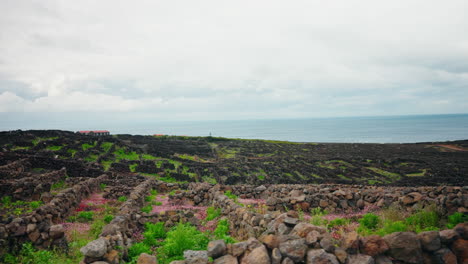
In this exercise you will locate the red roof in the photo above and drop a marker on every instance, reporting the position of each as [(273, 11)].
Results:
[(93, 131)]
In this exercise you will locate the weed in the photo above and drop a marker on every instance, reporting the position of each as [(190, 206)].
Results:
[(102, 186), (212, 213), (154, 232), (106, 164), (369, 221), (54, 148), (122, 199), (423, 220), (85, 216), (456, 218), (106, 146), (230, 195), (147, 209), (138, 248), (222, 232), (108, 218), (133, 167), (86, 146), (96, 228), (58, 185)]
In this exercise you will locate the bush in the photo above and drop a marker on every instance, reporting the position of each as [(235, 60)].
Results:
[(212, 213), (369, 221), (136, 249), (108, 218), (147, 209), (154, 232), (96, 228), (85, 216), (102, 186), (29, 255), (222, 232), (230, 195), (456, 219), (153, 192), (182, 237), (122, 199), (424, 220), (392, 227), (338, 222), (35, 204)]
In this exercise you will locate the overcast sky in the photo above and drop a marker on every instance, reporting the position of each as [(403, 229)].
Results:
[(198, 60)]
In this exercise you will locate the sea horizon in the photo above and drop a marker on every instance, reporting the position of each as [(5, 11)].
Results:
[(358, 129)]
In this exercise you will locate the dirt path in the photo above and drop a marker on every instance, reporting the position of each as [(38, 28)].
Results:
[(452, 147)]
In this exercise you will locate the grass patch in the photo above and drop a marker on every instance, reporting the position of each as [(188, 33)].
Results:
[(122, 154), (148, 157), (41, 139), (106, 164), (19, 148), (54, 148), (91, 158), (390, 175), (133, 167), (417, 174), (72, 152), (87, 146), (106, 146)]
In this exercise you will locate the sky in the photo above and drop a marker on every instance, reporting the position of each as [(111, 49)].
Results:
[(232, 60)]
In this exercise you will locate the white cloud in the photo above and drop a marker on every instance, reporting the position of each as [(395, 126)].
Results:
[(229, 59)]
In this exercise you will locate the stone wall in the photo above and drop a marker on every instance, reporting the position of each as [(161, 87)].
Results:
[(347, 198), (31, 188), (42, 227)]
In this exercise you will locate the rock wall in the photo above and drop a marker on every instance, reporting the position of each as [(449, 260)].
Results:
[(42, 227), (31, 188)]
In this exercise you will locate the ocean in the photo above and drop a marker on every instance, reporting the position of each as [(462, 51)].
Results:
[(390, 129)]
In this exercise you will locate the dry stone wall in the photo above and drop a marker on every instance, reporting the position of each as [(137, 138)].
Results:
[(42, 227)]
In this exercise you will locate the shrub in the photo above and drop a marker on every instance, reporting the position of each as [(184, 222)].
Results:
[(182, 237), (6, 201), (230, 195), (85, 216), (212, 213), (29, 255), (222, 232), (35, 204), (339, 222), (369, 221), (108, 218), (122, 199), (147, 209), (424, 220), (153, 192), (136, 249), (316, 216), (153, 232), (133, 167), (58, 185), (391, 227), (456, 219), (96, 228), (102, 186)]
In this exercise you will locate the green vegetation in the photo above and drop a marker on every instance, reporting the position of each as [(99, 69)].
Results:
[(122, 199), (102, 186), (148, 157), (19, 148), (147, 208), (54, 148), (85, 216), (390, 175), (106, 164), (108, 218), (29, 255), (417, 174), (456, 218), (316, 216), (106, 146), (209, 180), (18, 207), (91, 158), (180, 238), (231, 196), (212, 213), (87, 146), (136, 249), (222, 232), (122, 154), (96, 227), (261, 177), (72, 152), (153, 232), (58, 185), (133, 167), (39, 139)]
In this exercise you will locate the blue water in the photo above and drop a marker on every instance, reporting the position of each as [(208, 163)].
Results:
[(395, 129)]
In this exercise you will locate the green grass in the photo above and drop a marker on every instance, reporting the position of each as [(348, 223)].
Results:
[(106, 146), (72, 152), (122, 154), (19, 148), (343, 177), (212, 213), (91, 158), (106, 164), (87, 146), (58, 185), (148, 157), (209, 179), (54, 148), (417, 174), (40, 139), (133, 167), (390, 175)]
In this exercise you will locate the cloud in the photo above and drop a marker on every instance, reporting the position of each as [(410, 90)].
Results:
[(214, 59)]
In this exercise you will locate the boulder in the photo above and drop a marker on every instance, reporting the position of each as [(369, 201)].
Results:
[(227, 259), (312, 237), (257, 256), (287, 261), (444, 255), (404, 246), (271, 241), (341, 255), (56, 231), (327, 244), (302, 229), (216, 248), (430, 240), (237, 249), (373, 245), (147, 259), (448, 236), (95, 249), (319, 256), (196, 256), (382, 259), (460, 249), (350, 242), (276, 256), (112, 257), (360, 259), (294, 249), (462, 230)]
